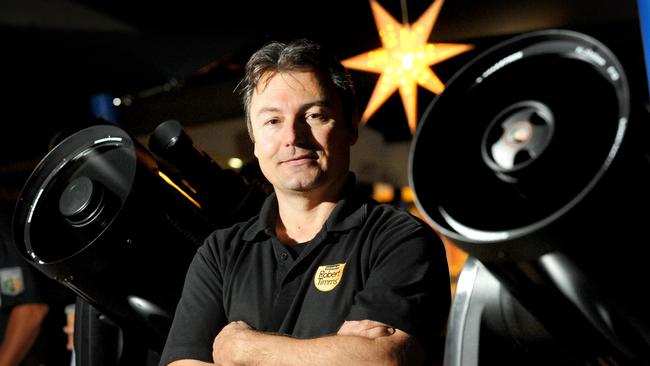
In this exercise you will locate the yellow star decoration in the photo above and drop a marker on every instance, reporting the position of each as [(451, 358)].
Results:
[(404, 60)]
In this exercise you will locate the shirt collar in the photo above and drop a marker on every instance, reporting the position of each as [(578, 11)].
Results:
[(265, 220), (349, 212)]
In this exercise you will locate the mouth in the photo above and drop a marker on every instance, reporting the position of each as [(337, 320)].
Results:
[(300, 159)]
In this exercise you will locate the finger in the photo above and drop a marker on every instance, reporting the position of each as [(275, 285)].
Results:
[(242, 324), (379, 331), (365, 328)]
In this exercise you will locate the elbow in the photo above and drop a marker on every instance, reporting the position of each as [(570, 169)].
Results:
[(408, 353)]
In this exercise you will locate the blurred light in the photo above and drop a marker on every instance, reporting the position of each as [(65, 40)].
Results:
[(235, 163), (407, 194), (189, 186), (383, 192), (102, 106), (404, 60), (117, 102), (179, 189)]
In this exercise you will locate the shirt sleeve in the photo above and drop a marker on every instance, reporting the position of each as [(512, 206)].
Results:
[(408, 283), (199, 315), (20, 282)]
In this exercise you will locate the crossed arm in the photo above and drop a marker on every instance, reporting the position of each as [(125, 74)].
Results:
[(363, 342)]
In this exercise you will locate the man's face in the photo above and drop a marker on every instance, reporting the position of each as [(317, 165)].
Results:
[(301, 139)]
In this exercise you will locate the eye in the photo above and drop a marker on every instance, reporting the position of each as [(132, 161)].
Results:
[(316, 116), (272, 121)]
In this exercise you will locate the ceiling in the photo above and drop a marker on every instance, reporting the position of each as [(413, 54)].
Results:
[(182, 59)]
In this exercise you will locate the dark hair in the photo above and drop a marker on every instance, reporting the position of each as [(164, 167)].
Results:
[(301, 54)]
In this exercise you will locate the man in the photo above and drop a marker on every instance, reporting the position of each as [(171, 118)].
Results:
[(23, 307), (321, 276), (22, 310)]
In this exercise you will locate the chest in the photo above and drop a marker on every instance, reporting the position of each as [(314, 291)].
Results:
[(305, 296)]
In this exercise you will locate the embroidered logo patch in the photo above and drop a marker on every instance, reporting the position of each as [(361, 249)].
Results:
[(328, 277), (11, 281)]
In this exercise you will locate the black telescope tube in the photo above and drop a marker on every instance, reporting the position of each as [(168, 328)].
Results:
[(226, 195), (102, 217)]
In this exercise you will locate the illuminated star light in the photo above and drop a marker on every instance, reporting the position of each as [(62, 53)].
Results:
[(404, 60)]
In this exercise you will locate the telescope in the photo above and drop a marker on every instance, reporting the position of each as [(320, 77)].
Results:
[(118, 224), (539, 154)]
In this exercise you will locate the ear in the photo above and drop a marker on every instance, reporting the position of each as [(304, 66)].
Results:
[(249, 127), (255, 150)]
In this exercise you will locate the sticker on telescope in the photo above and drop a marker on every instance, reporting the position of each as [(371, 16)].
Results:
[(105, 139), (590, 54), (499, 65)]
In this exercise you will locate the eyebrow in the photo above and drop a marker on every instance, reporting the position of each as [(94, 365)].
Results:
[(317, 103), (266, 110)]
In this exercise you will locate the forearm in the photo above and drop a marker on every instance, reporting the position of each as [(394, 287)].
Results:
[(190, 363), (265, 349), (22, 330)]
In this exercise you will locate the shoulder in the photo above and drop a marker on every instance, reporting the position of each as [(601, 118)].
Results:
[(388, 217), (224, 240), (391, 228)]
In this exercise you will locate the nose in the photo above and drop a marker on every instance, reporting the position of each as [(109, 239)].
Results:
[(295, 131)]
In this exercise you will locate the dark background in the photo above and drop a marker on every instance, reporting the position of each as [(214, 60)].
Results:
[(182, 59)]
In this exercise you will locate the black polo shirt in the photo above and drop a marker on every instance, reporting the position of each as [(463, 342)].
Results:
[(370, 261)]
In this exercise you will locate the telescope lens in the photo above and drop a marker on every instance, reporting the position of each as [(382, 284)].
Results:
[(523, 111), (81, 201), (517, 136), (519, 133), (75, 193)]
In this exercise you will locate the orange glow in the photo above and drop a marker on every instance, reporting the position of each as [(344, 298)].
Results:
[(407, 194), (171, 183), (382, 192), (404, 60)]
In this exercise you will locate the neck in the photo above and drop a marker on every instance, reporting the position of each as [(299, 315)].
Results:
[(302, 216), (299, 226)]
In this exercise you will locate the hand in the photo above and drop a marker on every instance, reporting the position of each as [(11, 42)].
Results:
[(365, 328), (230, 345), (69, 331)]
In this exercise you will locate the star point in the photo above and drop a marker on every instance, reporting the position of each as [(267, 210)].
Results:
[(404, 60)]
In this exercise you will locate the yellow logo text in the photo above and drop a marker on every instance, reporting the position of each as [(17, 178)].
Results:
[(328, 277)]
